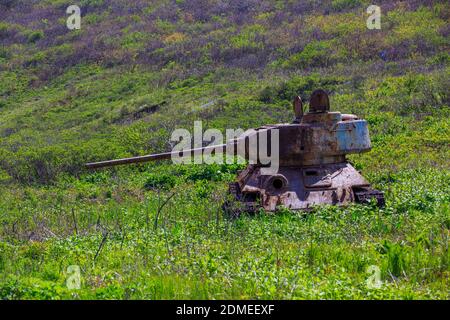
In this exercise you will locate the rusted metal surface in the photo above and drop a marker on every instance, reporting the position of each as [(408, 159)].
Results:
[(301, 187), (152, 157), (313, 169), (319, 102), (298, 109)]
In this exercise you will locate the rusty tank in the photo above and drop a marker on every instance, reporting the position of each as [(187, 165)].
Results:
[(311, 167)]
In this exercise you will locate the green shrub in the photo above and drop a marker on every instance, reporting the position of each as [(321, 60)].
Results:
[(286, 91), (157, 181), (91, 3), (3, 30), (35, 36), (411, 94), (2, 104), (442, 58), (203, 189), (36, 59), (395, 254), (339, 5), (316, 53), (247, 38), (212, 172), (4, 54)]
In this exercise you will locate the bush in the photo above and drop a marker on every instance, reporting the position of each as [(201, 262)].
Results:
[(248, 38), (91, 3), (286, 91), (36, 59), (157, 181), (35, 36), (4, 30), (4, 54), (411, 94), (212, 172), (442, 58), (339, 5), (316, 53), (9, 3), (395, 254)]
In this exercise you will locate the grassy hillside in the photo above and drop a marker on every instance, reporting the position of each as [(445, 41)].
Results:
[(136, 71)]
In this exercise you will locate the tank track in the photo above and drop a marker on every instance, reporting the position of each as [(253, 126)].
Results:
[(365, 195), (237, 204)]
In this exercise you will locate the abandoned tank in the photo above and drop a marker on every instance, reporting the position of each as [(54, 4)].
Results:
[(311, 169)]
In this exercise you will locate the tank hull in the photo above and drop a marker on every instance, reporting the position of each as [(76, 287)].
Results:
[(300, 188)]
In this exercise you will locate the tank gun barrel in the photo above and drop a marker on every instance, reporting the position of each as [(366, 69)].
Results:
[(154, 157)]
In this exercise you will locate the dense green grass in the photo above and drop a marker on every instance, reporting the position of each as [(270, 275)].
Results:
[(189, 251), (71, 97)]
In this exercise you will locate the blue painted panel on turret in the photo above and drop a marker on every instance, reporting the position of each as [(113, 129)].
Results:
[(352, 136)]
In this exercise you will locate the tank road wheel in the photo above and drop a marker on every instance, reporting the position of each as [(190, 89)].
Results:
[(365, 195), (237, 203)]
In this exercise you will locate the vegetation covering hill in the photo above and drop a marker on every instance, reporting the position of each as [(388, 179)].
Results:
[(137, 70)]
